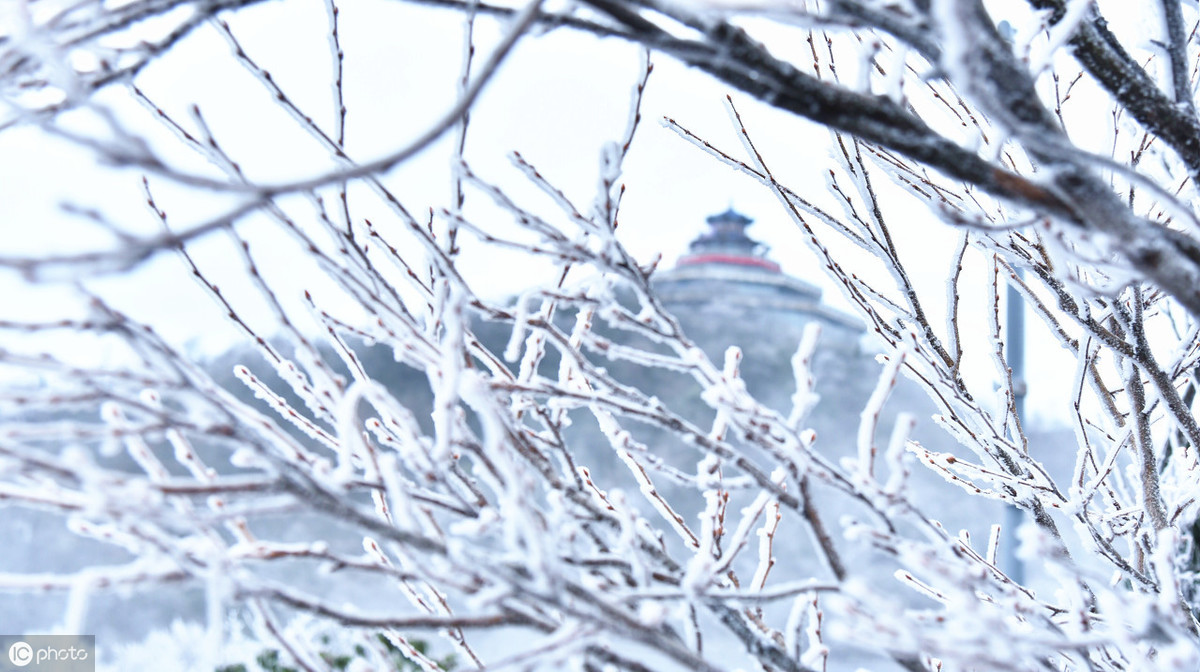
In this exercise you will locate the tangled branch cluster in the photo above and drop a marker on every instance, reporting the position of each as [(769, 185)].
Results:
[(477, 507)]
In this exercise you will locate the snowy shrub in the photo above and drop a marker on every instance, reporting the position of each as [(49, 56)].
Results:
[(516, 502)]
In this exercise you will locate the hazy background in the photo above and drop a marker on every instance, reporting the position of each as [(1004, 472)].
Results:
[(557, 100)]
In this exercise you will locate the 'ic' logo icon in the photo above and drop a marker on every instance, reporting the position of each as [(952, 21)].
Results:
[(21, 654)]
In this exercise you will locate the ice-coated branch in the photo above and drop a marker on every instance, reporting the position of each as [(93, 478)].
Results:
[(492, 470)]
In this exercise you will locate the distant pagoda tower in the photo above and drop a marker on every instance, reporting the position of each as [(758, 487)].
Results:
[(726, 242), (726, 274)]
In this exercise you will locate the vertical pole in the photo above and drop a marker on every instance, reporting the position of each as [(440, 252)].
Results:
[(1010, 564)]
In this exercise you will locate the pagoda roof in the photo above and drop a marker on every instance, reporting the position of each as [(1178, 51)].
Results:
[(726, 242), (730, 215), (724, 265)]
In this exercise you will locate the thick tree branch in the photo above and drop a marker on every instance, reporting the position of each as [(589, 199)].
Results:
[(1098, 50), (1074, 194)]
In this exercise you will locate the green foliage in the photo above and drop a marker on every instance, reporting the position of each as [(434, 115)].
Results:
[(269, 659)]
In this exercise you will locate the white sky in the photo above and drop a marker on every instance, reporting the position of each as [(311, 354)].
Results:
[(557, 100)]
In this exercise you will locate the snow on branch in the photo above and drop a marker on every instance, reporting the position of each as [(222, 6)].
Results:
[(568, 478)]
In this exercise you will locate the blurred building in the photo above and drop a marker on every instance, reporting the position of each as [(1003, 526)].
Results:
[(727, 273), (726, 291)]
